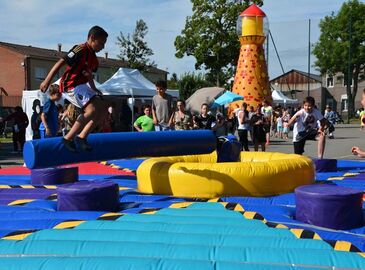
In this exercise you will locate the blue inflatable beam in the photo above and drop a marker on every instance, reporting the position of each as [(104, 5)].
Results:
[(106, 146)]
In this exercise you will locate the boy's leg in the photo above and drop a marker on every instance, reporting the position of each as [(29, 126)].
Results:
[(100, 109), (321, 145), (299, 147)]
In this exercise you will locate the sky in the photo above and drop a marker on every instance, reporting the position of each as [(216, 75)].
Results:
[(45, 23)]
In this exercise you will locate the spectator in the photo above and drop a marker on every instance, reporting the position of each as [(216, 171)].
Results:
[(267, 112), (162, 107), (181, 119), (36, 120), (108, 123), (49, 126), (145, 122), (244, 126), (69, 117), (21, 122), (204, 120), (331, 118), (355, 149), (220, 127), (258, 122)]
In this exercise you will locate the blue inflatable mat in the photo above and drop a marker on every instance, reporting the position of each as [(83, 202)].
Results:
[(130, 164)]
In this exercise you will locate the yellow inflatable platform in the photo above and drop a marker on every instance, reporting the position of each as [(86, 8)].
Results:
[(200, 176)]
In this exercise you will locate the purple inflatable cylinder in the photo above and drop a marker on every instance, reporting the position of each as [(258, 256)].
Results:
[(54, 176), (329, 206), (88, 196), (325, 165)]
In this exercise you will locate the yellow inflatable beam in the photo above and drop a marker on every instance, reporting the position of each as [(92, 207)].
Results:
[(199, 176)]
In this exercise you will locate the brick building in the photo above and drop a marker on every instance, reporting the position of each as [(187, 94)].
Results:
[(25, 67), (326, 89)]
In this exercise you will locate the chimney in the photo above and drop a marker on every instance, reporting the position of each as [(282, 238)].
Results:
[(106, 55), (59, 47)]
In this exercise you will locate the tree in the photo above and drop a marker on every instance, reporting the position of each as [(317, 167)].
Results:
[(210, 36), (190, 82), (133, 48), (341, 46), (172, 83)]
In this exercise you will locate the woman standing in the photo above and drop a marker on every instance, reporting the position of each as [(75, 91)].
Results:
[(181, 119)]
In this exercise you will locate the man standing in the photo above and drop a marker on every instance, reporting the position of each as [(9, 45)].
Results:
[(161, 107)]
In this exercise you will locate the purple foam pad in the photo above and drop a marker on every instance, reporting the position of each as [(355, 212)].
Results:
[(54, 176), (326, 165), (329, 206), (88, 196)]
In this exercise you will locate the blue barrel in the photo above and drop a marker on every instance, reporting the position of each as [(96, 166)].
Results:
[(106, 146)]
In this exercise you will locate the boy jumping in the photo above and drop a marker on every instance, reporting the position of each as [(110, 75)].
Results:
[(77, 86), (309, 125)]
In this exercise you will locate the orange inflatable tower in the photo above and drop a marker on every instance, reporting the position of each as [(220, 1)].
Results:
[(251, 80)]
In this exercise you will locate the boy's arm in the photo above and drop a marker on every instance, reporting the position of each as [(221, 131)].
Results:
[(293, 119), (155, 121), (45, 84), (44, 121)]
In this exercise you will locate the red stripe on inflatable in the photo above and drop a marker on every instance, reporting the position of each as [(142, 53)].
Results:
[(84, 168)]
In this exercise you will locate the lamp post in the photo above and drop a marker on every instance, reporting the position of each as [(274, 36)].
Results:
[(251, 79)]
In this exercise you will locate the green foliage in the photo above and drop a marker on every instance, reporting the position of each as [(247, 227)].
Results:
[(133, 48), (332, 49), (210, 36), (190, 82), (172, 83)]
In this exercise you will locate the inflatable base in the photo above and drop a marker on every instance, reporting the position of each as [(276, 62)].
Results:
[(54, 176), (325, 165), (88, 196), (329, 206)]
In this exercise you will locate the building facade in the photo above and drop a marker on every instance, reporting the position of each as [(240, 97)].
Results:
[(25, 67), (326, 90)]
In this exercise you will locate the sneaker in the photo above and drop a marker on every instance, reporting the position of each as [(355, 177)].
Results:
[(70, 145), (84, 145)]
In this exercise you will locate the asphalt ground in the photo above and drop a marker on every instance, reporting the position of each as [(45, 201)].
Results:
[(346, 136)]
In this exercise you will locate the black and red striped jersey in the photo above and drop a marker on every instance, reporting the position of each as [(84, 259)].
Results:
[(79, 59)]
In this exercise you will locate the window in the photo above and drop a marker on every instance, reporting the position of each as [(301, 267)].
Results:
[(339, 80), (344, 103), (329, 81), (40, 73)]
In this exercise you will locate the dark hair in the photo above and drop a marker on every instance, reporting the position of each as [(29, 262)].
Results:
[(54, 89), (182, 101), (204, 104), (363, 91), (161, 84), (97, 32), (309, 100), (18, 109), (146, 106)]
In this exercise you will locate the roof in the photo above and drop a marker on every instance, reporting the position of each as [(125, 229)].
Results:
[(297, 76), (253, 10), (37, 52)]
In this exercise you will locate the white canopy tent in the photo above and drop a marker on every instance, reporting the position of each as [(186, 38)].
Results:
[(130, 82), (279, 98)]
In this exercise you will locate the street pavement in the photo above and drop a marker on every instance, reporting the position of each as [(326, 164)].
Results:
[(346, 136)]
